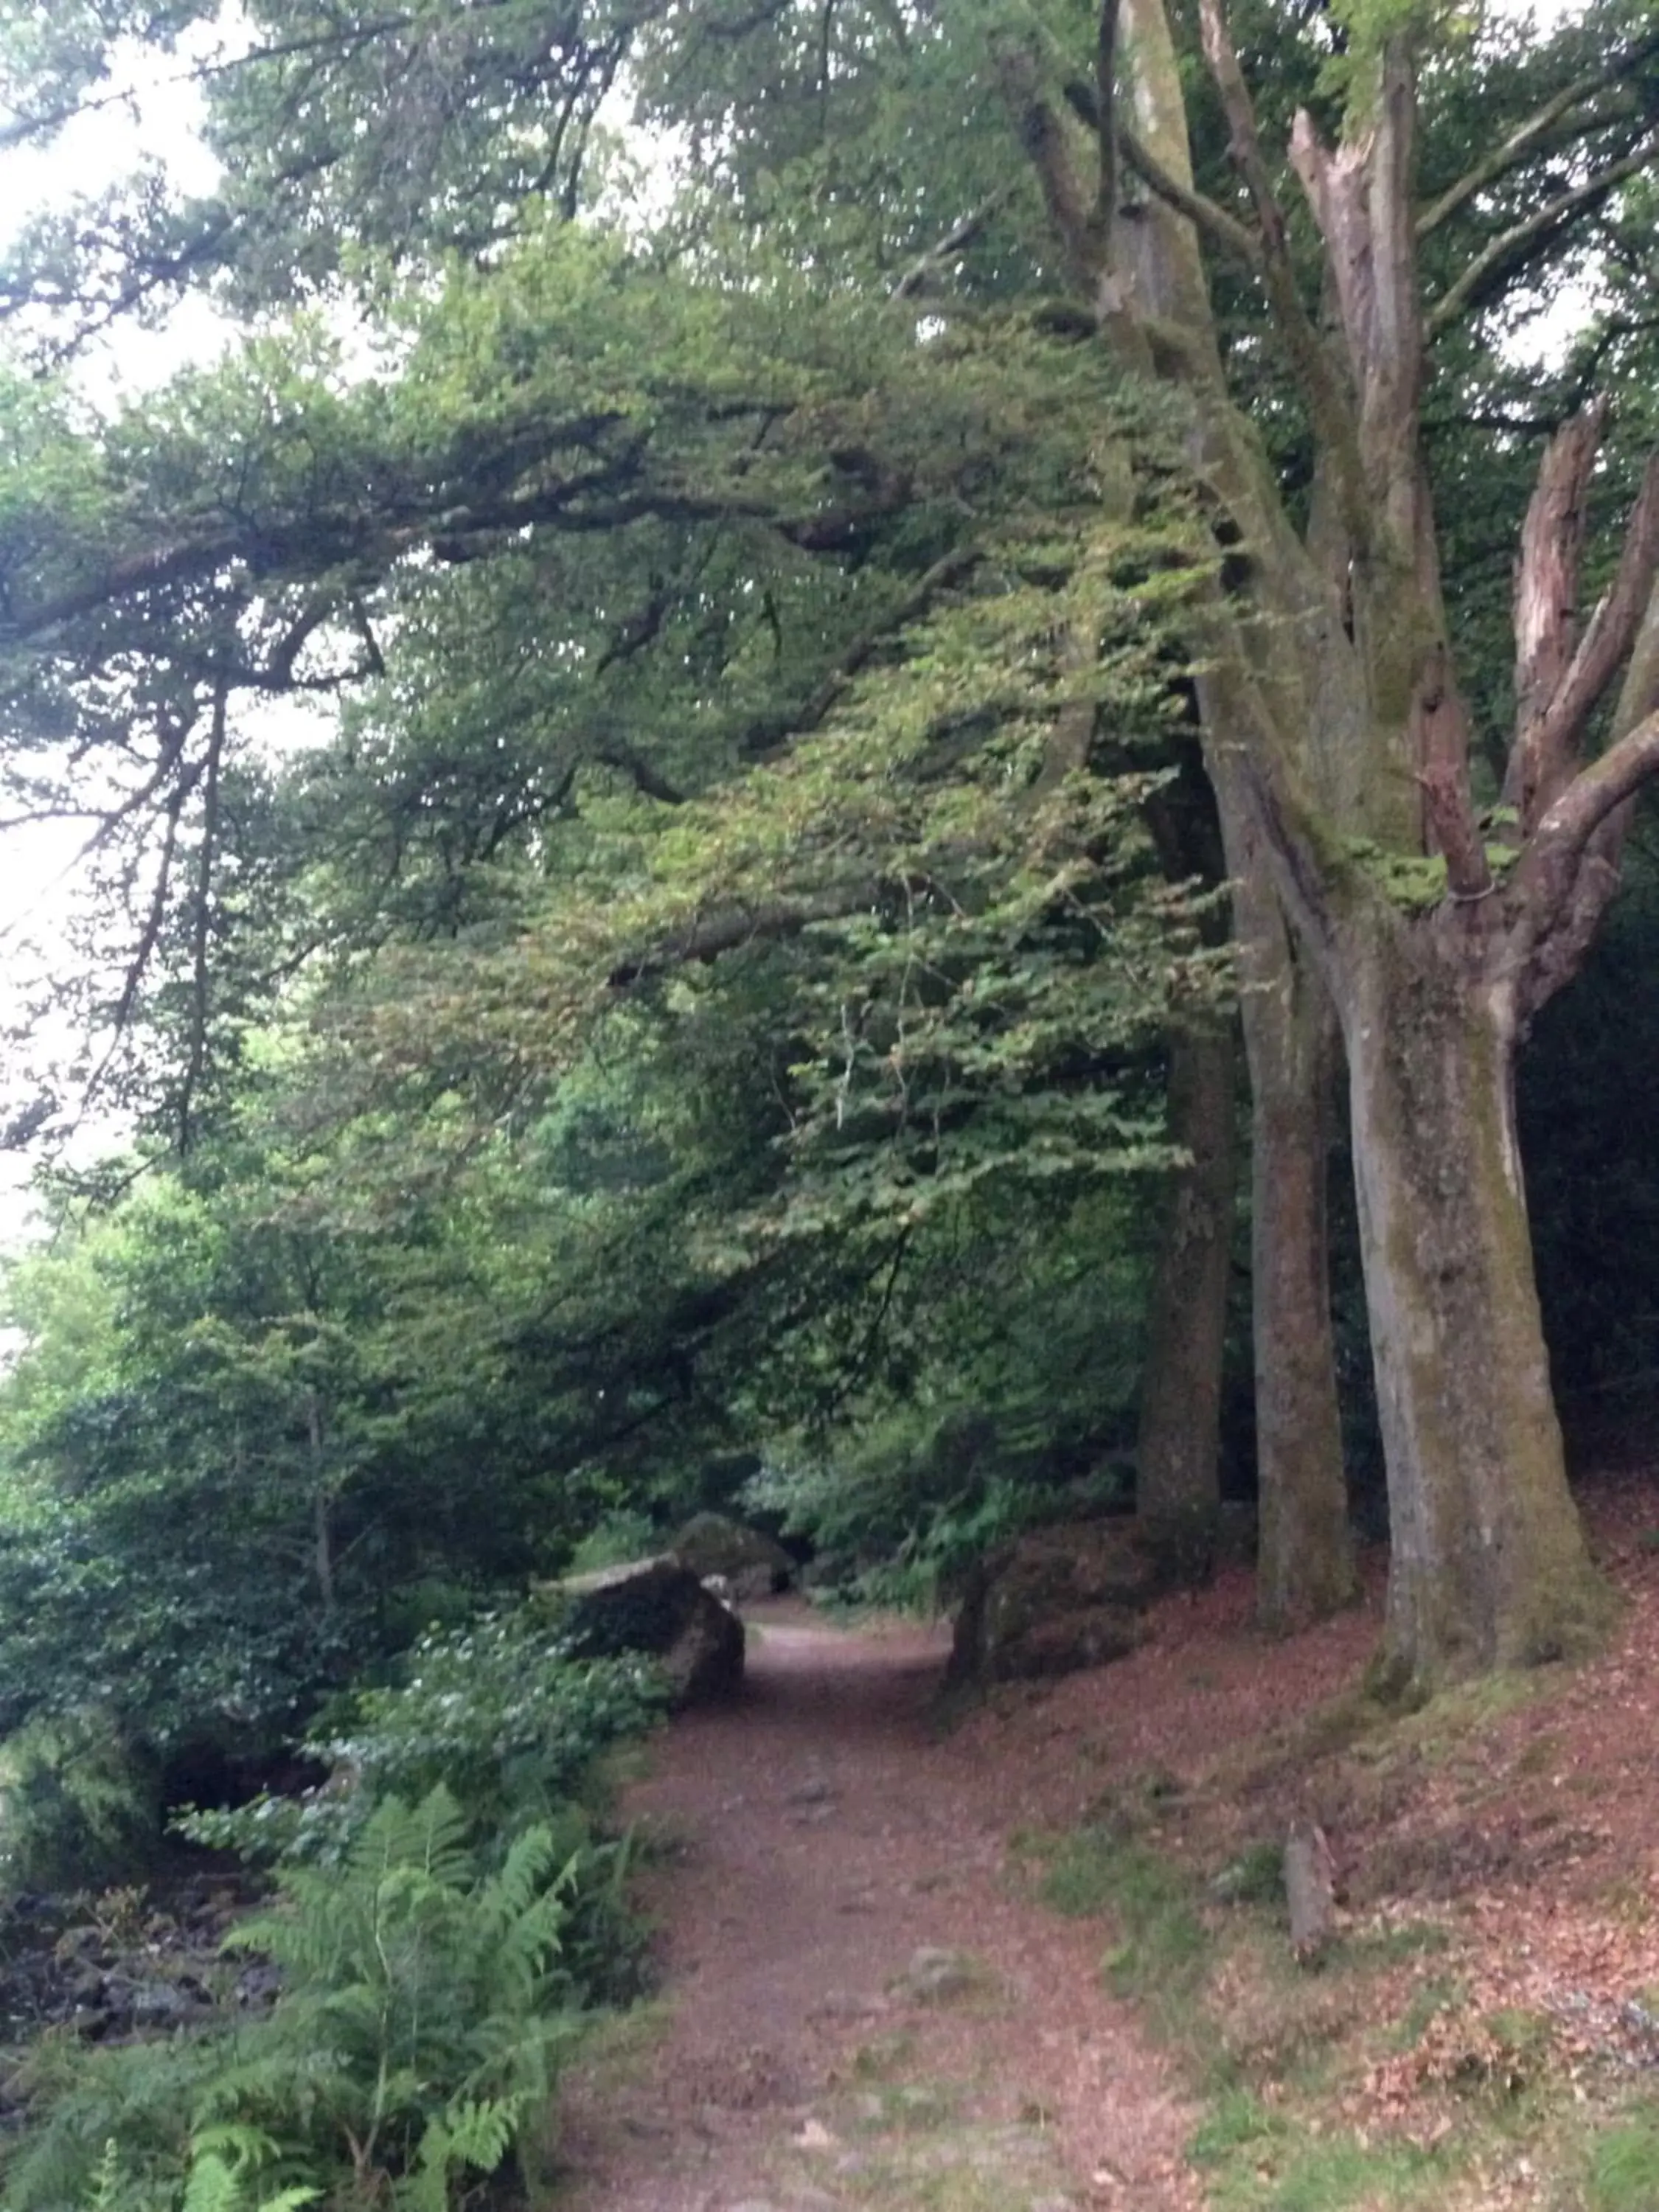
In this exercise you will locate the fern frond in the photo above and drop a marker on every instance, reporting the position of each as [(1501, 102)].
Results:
[(523, 1876)]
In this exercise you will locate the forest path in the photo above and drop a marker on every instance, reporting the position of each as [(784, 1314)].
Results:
[(821, 1837)]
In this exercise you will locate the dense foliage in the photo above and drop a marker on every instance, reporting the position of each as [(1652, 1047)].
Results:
[(684, 1013), (445, 1916)]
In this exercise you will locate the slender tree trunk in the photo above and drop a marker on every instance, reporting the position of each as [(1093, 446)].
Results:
[(1305, 1555), (322, 1517), (1179, 1451), (1489, 1566), (1304, 1567)]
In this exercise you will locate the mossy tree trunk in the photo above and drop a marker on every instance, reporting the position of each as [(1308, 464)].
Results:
[(1334, 711), (1305, 1562), (1489, 1567)]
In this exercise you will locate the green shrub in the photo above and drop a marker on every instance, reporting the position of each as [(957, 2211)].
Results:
[(497, 1712), (908, 1503), (78, 1804), (424, 2007), (498, 1715), (620, 1537)]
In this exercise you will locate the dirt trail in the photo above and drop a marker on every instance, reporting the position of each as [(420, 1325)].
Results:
[(811, 2062)]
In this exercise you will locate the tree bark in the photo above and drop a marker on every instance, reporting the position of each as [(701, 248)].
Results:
[(1148, 282), (1179, 1450), (322, 1516), (1489, 1566), (1304, 1554), (1304, 1559), (1334, 708)]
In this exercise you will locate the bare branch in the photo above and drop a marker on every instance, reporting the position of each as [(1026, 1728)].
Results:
[(1595, 793), (1244, 140), (1330, 403), (1547, 601), (1514, 246), (1547, 747), (1567, 875), (1453, 832)]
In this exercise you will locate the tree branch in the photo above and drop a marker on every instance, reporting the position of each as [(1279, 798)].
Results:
[(1528, 137), (955, 241), (1547, 747), (1513, 247), (1562, 837), (728, 932), (1207, 217), (1329, 403), (1043, 135), (617, 753), (771, 732), (200, 931), (1547, 575), (1105, 211)]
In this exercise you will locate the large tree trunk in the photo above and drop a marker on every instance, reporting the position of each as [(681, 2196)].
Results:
[(1179, 1449), (1489, 1567), (1332, 654)]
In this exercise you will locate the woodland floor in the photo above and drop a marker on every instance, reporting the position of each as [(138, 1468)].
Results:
[(886, 1948)]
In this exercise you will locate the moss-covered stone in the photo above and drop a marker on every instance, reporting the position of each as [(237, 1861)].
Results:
[(750, 1562), (660, 1608)]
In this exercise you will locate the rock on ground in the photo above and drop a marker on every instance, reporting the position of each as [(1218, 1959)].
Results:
[(661, 1608), (1058, 1599), (748, 1562)]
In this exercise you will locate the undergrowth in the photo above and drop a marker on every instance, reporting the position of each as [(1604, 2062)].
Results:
[(1624, 2173), (414, 2043), (445, 1916)]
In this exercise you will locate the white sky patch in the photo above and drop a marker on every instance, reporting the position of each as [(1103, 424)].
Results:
[(152, 110)]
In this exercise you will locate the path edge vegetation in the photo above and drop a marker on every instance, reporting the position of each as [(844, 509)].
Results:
[(842, 693)]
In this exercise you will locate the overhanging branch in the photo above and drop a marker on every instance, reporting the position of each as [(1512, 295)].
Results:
[(771, 733), (955, 241), (729, 931)]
